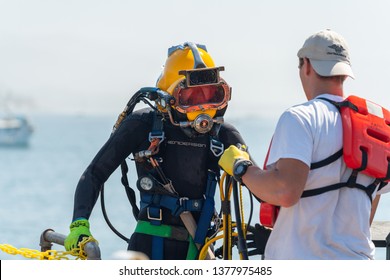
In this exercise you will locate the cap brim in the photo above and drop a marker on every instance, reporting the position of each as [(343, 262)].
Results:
[(329, 68)]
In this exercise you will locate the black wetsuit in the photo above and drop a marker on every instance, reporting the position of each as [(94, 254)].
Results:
[(185, 162)]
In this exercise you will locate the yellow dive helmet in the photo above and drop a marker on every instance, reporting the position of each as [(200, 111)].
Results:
[(200, 94)]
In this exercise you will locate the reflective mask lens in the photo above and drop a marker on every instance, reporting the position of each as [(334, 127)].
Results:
[(210, 94)]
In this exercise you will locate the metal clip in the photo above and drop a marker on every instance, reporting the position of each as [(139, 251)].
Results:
[(181, 201), (158, 134), (154, 218), (216, 147), (169, 187)]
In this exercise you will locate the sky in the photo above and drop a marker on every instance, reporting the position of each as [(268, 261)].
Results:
[(90, 56)]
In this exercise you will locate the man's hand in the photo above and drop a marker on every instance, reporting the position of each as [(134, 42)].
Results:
[(78, 230)]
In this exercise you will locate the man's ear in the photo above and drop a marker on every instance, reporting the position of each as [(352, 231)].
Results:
[(308, 67)]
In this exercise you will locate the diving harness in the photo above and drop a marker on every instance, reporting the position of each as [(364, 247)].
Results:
[(211, 226)]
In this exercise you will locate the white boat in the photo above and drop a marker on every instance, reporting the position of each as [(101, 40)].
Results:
[(15, 130)]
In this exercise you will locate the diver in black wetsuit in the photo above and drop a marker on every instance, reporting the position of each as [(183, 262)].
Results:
[(178, 174)]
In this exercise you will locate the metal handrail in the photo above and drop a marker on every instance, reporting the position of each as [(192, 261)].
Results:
[(381, 235), (49, 236), (92, 250), (383, 244)]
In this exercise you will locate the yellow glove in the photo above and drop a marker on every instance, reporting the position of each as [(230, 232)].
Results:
[(230, 156)]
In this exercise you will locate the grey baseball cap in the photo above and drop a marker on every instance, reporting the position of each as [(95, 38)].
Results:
[(328, 54)]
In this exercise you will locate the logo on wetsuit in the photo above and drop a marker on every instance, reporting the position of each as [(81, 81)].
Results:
[(181, 143)]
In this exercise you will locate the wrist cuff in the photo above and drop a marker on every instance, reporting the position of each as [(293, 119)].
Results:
[(77, 223)]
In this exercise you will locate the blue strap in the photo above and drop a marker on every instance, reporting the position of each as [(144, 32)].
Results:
[(158, 248), (157, 128), (207, 210), (154, 215), (176, 205)]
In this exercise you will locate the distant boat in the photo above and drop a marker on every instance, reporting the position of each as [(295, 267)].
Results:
[(15, 130)]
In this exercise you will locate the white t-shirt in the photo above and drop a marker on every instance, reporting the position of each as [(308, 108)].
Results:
[(332, 225)]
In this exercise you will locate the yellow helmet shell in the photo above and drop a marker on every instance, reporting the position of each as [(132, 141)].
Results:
[(180, 59)]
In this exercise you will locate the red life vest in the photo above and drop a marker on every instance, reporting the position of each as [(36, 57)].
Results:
[(366, 131), (366, 149)]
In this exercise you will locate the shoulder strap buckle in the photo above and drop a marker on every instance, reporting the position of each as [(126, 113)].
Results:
[(156, 135), (216, 147)]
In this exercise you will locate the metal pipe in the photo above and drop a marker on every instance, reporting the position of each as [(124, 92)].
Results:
[(49, 236)]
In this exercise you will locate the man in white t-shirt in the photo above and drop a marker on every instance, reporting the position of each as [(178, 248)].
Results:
[(331, 225)]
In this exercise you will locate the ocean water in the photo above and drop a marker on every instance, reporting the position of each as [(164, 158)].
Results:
[(37, 183)]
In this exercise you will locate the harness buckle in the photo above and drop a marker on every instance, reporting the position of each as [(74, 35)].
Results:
[(216, 147), (150, 217), (182, 201), (156, 135), (155, 139)]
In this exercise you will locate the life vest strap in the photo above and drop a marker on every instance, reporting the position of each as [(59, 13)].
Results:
[(322, 190), (351, 183), (339, 105), (327, 161)]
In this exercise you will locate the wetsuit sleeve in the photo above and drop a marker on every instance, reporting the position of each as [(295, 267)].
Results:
[(127, 138), (229, 135)]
